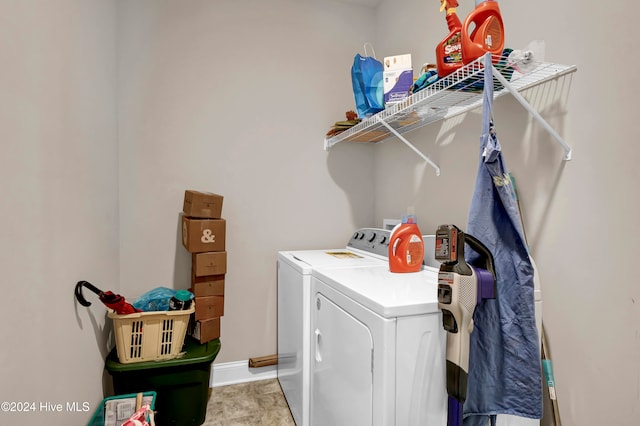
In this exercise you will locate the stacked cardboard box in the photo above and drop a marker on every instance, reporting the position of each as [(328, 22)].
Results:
[(204, 236)]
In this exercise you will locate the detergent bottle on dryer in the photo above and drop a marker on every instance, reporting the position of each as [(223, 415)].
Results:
[(406, 247), (482, 32)]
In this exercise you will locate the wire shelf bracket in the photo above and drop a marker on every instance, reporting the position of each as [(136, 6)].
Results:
[(410, 145), (535, 114)]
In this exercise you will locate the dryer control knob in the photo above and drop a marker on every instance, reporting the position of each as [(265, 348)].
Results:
[(372, 237)]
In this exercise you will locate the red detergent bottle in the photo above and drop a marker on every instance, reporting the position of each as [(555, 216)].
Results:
[(406, 247), (449, 51), (482, 32)]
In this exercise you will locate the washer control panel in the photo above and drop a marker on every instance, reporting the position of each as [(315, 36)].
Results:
[(371, 240)]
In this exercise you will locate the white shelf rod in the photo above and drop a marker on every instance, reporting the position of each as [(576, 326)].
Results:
[(410, 145), (533, 112)]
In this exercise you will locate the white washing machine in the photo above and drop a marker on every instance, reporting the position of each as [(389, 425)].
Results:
[(378, 348), (367, 247)]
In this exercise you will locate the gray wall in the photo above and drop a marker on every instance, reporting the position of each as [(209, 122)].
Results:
[(59, 209), (109, 111), (221, 97), (580, 216)]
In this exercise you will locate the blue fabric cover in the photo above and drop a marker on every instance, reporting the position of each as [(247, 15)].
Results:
[(504, 360)]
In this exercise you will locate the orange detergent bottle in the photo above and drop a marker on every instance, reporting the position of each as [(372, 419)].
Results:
[(482, 32), (406, 247), (449, 51)]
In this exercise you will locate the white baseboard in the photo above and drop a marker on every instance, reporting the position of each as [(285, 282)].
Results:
[(230, 373)]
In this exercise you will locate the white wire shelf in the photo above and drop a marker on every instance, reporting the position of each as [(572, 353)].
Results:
[(457, 93)]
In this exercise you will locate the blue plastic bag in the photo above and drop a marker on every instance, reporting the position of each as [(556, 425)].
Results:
[(368, 85), (155, 300)]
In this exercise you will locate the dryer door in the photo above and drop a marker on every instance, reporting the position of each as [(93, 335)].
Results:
[(342, 348)]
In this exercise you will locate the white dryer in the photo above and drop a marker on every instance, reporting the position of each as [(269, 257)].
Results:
[(378, 348), (366, 247)]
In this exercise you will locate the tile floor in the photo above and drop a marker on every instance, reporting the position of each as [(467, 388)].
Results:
[(259, 403)]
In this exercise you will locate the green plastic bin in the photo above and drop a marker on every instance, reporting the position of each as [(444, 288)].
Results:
[(98, 416), (181, 384)]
